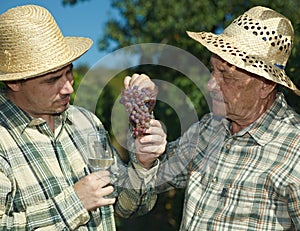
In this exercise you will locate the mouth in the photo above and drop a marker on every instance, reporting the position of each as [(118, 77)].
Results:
[(65, 100)]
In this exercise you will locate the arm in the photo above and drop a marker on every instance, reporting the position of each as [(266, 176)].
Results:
[(293, 206), (170, 170), (137, 196), (293, 190)]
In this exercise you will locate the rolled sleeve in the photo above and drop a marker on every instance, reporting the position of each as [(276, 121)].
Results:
[(137, 196)]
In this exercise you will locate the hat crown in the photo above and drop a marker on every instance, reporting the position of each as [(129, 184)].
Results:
[(259, 41), (266, 32), (29, 34)]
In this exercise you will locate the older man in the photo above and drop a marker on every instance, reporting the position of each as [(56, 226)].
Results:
[(45, 183), (240, 164)]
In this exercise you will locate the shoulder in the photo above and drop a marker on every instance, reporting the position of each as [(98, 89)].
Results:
[(76, 111), (200, 128), (81, 116)]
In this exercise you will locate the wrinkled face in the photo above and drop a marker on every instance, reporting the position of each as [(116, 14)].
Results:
[(45, 95), (235, 93)]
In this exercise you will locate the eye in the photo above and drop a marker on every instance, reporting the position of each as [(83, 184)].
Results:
[(53, 79), (227, 78), (69, 71)]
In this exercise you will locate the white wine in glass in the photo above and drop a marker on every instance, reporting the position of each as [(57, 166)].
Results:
[(100, 164), (100, 156)]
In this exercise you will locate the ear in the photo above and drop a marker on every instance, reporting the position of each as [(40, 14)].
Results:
[(267, 87), (14, 85)]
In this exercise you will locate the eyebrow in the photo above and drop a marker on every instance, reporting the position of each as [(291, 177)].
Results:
[(70, 65), (55, 75)]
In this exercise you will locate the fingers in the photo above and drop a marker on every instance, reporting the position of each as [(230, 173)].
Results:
[(127, 81), (92, 188), (140, 80), (103, 180), (100, 197), (155, 134), (152, 145), (135, 79), (102, 192)]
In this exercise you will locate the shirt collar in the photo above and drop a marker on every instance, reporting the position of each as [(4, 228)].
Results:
[(12, 116), (262, 130), (60, 120)]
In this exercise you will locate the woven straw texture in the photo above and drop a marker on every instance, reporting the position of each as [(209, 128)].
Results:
[(31, 44), (259, 41)]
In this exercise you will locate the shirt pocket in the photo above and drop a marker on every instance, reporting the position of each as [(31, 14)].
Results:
[(252, 206), (240, 204)]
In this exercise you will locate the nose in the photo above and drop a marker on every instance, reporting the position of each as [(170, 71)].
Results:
[(68, 87), (212, 84)]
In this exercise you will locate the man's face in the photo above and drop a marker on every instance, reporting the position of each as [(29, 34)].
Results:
[(235, 93), (45, 95)]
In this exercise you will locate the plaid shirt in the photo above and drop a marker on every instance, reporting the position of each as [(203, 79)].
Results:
[(246, 181), (38, 170)]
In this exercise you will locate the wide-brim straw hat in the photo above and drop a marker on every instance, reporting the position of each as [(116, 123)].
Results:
[(31, 44), (259, 41)]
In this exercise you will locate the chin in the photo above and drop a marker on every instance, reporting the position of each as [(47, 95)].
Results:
[(61, 110), (219, 111)]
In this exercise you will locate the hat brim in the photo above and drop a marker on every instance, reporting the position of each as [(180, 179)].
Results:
[(236, 57), (78, 46)]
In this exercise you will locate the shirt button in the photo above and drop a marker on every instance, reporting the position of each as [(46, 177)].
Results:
[(228, 146), (214, 180), (200, 213)]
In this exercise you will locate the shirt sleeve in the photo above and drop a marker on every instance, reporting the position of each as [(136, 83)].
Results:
[(170, 171), (293, 206), (64, 211), (136, 195)]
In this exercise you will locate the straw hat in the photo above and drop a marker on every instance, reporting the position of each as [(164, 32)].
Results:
[(259, 41), (31, 44)]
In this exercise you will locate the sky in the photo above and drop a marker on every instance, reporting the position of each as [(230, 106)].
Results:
[(85, 19)]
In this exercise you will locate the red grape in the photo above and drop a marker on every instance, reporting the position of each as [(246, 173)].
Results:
[(138, 104)]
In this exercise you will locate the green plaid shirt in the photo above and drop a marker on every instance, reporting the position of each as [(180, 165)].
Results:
[(38, 170), (246, 181)]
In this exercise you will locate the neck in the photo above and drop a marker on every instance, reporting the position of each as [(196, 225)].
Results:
[(50, 120), (239, 124)]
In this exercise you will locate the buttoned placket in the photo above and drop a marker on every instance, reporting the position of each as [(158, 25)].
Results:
[(54, 139)]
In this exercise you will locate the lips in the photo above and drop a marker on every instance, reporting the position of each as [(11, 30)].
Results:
[(65, 100)]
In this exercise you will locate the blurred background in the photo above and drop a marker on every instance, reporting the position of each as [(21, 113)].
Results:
[(115, 24)]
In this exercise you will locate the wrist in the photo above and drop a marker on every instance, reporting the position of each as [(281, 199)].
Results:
[(148, 165)]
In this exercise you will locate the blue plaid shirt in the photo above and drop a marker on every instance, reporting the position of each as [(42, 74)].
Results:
[(244, 181)]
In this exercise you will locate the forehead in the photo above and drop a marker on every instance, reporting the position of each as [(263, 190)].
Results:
[(219, 63), (60, 71), (51, 74), (217, 60)]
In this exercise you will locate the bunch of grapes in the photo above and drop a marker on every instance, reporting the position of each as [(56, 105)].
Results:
[(138, 104)]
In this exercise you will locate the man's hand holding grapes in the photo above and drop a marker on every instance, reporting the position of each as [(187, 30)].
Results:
[(139, 99)]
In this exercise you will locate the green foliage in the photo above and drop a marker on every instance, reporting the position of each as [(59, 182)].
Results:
[(160, 21)]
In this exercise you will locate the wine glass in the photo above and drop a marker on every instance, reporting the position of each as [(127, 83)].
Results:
[(101, 155)]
